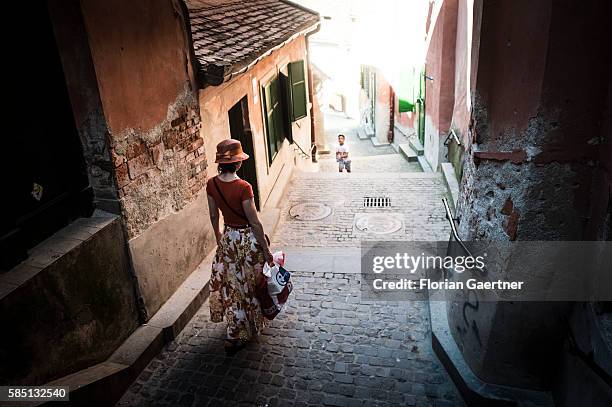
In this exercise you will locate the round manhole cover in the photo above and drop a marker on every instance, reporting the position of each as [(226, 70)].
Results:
[(380, 224), (310, 211)]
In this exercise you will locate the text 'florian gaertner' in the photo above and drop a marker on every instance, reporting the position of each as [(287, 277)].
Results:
[(404, 262)]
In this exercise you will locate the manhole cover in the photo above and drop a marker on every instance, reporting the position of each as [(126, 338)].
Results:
[(310, 211), (378, 223)]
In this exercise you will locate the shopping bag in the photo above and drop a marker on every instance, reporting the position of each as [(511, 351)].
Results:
[(274, 289)]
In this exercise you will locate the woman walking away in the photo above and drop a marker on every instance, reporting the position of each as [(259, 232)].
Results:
[(241, 249)]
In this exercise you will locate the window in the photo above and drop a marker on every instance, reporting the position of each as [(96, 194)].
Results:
[(273, 117), (285, 102), (297, 82)]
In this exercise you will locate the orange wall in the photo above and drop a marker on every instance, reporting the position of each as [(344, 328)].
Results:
[(440, 64), (141, 64)]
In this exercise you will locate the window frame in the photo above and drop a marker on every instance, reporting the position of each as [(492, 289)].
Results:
[(278, 144), (291, 85)]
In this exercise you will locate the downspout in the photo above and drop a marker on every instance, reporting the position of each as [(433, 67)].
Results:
[(313, 145), (391, 132)]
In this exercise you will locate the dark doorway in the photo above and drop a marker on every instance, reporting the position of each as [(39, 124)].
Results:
[(46, 185), (240, 129)]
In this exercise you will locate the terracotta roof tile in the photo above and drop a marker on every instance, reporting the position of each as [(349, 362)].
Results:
[(229, 34)]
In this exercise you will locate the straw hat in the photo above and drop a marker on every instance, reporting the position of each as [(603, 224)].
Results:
[(230, 151)]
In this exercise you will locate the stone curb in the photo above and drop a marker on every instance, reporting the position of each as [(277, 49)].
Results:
[(474, 391)]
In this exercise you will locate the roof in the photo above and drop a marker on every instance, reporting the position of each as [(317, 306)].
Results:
[(229, 35)]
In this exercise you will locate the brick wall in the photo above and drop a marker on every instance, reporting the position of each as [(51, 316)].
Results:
[(160, 171)]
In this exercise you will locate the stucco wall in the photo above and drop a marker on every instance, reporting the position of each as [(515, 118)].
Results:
[(143, 64), (216, 101), (439, 92), (82, 85), (381, 115), (531, 162)]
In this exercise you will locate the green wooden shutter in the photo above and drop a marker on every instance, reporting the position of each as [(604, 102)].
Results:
[(274, 118), (297, 82)]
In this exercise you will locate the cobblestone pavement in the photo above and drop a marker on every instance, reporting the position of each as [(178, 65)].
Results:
[(336, 123), (415, 198), (370, 164), (328, 347)]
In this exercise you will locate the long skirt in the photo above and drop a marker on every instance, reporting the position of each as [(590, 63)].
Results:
[(238, 262)]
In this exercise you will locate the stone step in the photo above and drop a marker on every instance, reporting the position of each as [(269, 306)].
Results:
[(364, 133), (377, 143), (424, 164), (361, 134), (299, 175), (416, 145), (408, 152)]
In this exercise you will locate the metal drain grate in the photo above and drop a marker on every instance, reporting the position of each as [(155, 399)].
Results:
[(377, 202)]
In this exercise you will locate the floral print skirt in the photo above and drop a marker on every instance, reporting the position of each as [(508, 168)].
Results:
[(238, 262)]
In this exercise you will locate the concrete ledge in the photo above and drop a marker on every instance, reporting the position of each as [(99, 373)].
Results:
[(361, 133), (451, 182), (365, 132), (424, 164), (474, 391), (416, 145), (377, 143), (408, 153), (53, 248), (105, 383)]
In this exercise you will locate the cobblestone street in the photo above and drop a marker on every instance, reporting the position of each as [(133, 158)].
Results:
[(328, 346)]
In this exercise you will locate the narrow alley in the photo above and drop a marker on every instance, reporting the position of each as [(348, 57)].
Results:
[(436, 173), (328, 347)]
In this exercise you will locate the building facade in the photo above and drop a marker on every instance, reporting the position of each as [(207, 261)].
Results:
[(255, 88), (85, 282)]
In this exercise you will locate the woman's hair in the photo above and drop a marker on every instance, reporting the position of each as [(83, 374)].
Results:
[(227, 167)]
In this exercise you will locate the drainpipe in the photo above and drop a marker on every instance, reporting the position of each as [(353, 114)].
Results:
[(390, 133), (313, 145)]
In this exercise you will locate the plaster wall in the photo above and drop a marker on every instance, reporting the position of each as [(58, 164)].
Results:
[(531, 165), (216, 101)]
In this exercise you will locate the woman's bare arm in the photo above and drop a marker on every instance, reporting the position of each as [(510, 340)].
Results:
[(251, 213), (214, 217)]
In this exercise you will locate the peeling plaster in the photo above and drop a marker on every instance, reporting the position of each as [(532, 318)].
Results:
[(164, 188)]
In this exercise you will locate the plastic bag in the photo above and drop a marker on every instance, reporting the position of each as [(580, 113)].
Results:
[(275, 289)]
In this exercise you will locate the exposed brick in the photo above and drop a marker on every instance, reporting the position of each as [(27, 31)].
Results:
[(507, 208), (135, 185), (516, 156), (181, 153), (135, 148), (171, 138), (117, 159), (178, 121), (139, 165), (198, 143), (122, 176), (198, 160), (511, 227), (157, 152), (190, 157), (196, 187)]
